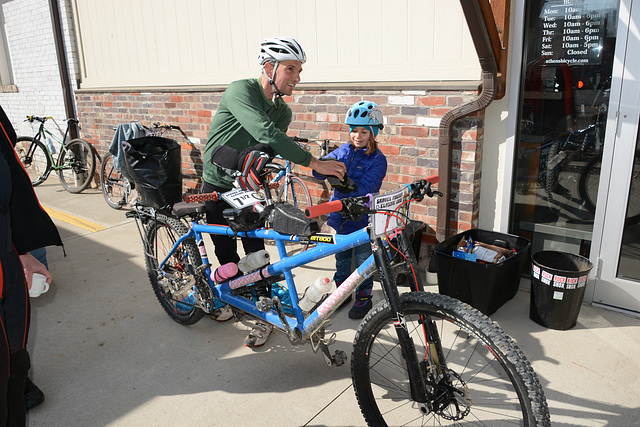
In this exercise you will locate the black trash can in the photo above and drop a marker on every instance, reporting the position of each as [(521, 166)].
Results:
[(483, 286), (155, 165), (558, 282)]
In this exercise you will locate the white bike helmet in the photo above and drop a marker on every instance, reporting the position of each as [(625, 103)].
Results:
[(365, 114), (278, 49)]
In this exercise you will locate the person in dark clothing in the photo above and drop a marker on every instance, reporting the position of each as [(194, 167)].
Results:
[(24, 226)]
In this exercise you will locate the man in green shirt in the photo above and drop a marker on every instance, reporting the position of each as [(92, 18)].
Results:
[(252, 111)]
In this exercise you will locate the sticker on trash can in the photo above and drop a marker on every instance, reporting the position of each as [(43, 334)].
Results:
[(559, 281), (546, 277), (572, 282), (558, 295), (582, 281), (536, 271)]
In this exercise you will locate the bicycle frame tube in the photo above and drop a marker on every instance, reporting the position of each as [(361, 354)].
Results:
[(307, 326)]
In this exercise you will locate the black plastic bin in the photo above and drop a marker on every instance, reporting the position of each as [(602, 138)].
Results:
[(155, 165), (558, 282), (483, 286)]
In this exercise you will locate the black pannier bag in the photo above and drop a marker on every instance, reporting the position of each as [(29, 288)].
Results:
[(288, 219), (155, 165)]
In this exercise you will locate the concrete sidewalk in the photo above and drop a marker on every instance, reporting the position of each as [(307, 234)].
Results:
[(105, 353)]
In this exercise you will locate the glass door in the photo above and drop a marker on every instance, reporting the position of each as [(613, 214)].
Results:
[(564, 115), (617, 247)]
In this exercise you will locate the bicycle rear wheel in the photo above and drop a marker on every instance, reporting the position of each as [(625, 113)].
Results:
[(487, 381), (34, 157), (162, 234), (115, 186), (77, 165), (296, 194)]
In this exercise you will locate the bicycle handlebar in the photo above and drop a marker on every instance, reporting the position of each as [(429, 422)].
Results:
[(323, 209), (419, 189), (322, 143), (199, 198), (31, 119)]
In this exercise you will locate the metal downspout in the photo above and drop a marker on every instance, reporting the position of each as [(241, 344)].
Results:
[(481, 41), (63, 68)]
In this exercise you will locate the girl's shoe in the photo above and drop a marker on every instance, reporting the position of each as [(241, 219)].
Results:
[(362, 305), (360, 308)]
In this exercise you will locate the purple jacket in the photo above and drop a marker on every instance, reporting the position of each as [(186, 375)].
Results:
[(367, 171)]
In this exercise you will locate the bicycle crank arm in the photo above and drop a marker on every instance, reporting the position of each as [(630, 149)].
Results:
[(338, 359)]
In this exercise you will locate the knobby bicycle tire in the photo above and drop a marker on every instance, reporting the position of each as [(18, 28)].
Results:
[(162, 233), (34, 157), (491, 381), (298, 195), (77, 165), (114, 185)]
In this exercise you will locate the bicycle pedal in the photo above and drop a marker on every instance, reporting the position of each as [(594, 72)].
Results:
[(264, 304)]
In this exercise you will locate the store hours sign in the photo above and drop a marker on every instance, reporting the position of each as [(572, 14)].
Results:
[(572, 31)]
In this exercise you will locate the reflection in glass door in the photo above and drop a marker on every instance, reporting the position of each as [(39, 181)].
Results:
[(564, 98), (629, 257)]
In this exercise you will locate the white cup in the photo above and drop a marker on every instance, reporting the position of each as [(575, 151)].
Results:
[(39, 285)]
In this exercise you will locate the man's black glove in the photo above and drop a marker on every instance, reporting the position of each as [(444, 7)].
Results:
[(345, 186), (252, 161), (245, 165)]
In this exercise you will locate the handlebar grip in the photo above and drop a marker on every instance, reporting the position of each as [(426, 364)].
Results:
[(323, 209), (434, 179), (199, 198)]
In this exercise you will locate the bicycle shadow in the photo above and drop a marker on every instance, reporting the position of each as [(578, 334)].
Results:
[(100, 339), (582, 370)]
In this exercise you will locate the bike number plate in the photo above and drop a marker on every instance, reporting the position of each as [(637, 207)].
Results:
[(239, 198), (389, 202)]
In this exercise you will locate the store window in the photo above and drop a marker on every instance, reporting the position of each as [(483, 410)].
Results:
[(564, 98)]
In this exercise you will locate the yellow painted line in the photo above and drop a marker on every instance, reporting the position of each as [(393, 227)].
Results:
[(74, 220)]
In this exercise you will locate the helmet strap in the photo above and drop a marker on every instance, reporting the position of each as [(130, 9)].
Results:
[(276, 91)]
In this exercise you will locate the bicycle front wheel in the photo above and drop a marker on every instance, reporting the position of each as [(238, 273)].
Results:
[(485, 379), (77, 165), (115, 186), (296, 194), (162, 233), (34, 157)]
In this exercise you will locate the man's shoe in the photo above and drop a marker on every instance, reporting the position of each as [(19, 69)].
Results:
[(222, 314), (33, 396), (258, 335)]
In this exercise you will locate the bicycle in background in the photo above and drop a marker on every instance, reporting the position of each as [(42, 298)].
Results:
[(293, 189), (76, 161), (116, 188)]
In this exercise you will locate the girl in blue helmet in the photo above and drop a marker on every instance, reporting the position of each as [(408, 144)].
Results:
[(367, 167)]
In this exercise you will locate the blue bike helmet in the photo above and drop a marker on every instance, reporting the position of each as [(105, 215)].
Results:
[(365, 114)]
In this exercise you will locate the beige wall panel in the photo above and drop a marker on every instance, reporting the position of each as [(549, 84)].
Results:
[(142, 43)]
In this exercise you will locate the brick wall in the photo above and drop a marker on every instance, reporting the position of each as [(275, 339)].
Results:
[(409, 139)]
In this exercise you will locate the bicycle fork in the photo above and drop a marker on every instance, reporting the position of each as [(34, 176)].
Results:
[(417, 383)]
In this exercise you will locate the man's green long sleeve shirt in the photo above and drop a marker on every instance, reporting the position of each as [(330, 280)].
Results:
[(246, 117)]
